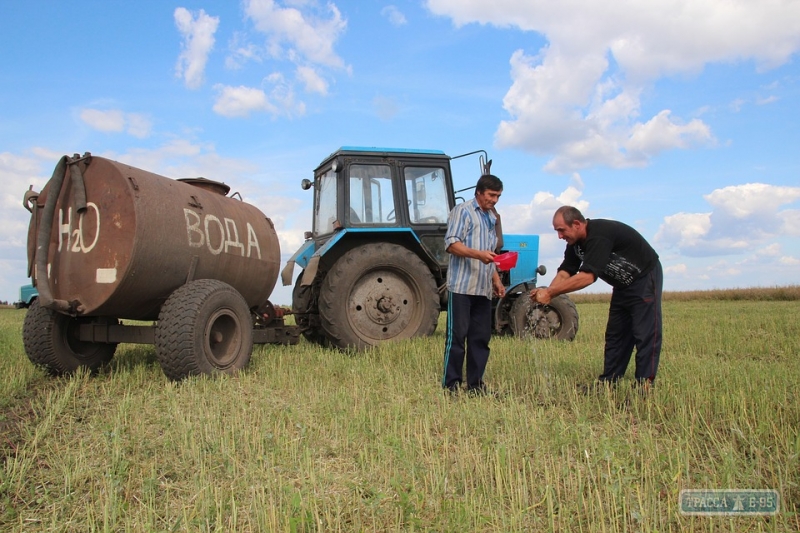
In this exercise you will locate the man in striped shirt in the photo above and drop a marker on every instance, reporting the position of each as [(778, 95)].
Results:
[(472, 279)]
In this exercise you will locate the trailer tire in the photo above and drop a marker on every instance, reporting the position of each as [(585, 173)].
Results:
[(376, 293), (204, 327), (558, 320), (51, 341)]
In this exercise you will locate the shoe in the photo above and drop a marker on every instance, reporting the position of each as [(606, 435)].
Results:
[(482, 390), (453, 390)]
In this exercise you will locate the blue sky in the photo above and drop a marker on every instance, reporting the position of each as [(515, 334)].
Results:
[(679, 118)]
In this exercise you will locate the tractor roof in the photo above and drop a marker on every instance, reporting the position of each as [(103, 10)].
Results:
[(381, 150), (385, 152)]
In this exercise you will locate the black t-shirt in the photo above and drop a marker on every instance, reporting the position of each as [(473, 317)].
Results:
[(612, 251)]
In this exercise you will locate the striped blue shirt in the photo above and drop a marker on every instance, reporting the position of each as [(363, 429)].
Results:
[(474, 228)]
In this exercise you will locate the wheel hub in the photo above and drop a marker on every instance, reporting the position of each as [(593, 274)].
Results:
[(381, 305), (222, 338), (543, 321), (381, 308)]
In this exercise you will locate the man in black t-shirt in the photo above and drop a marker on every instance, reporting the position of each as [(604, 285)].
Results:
[(620, 256)]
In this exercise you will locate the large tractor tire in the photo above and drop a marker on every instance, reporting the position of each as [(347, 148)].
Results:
[(558, 320), (376, 293), (302, 307), (204, 327), (51, 341)]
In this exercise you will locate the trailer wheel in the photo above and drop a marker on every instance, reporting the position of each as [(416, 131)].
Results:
[(376, 293), (51, 340), (558, 320), (204, 327)]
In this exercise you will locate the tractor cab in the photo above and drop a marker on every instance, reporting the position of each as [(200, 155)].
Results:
[(380, 189)]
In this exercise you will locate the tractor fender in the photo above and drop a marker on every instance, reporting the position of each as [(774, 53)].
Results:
[(301, 257), (348, 238)]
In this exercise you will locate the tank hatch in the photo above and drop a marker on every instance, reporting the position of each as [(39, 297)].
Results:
[(209, 185)]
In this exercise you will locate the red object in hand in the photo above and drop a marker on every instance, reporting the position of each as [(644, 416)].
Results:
[(506, 261)]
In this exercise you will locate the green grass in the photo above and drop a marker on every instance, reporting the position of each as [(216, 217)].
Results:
[(309, 439)]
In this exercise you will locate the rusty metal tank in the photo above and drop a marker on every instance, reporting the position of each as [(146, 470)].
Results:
[(108, 239)]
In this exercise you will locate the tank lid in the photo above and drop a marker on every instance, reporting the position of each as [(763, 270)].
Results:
[(210, 185)]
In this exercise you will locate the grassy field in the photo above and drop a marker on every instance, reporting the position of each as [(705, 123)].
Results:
[(309, 439)]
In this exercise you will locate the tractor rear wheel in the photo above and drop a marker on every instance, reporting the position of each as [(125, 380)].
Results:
[(51, 340), (376, 293), (557, 320)]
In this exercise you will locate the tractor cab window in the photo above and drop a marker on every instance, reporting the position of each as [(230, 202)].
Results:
[(426, 191), (371, 196), (326, 203)]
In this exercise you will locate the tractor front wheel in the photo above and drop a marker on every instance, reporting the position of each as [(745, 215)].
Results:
[(557, 320), (303, 309)]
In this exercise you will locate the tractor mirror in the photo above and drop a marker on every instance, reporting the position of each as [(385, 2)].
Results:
[(306, 184)]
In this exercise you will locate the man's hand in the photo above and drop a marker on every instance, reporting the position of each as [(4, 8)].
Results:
[(484, 256), (541, 296), (499, 290)]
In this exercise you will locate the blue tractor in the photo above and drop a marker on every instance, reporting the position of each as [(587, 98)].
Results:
[(375, 265)]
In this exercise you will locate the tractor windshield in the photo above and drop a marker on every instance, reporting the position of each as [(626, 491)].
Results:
[(426, 191), (371, 195)]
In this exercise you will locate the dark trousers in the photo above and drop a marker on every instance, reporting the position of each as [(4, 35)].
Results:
[(634, 319), (469, 322)]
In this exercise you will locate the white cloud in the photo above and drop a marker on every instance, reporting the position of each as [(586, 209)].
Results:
[(751, 199), (20, 172), (660, 133), (302, 34), (116, 121), (197, 31), (241, 101), (312, 81), (756, 269), (241, 52), (282, 93), (394, 15), (580, 97), (676, 270), (684, 229), (297, 35), (743, 217), (108, 121), (139, 125), (790, 222), (772, 250)]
